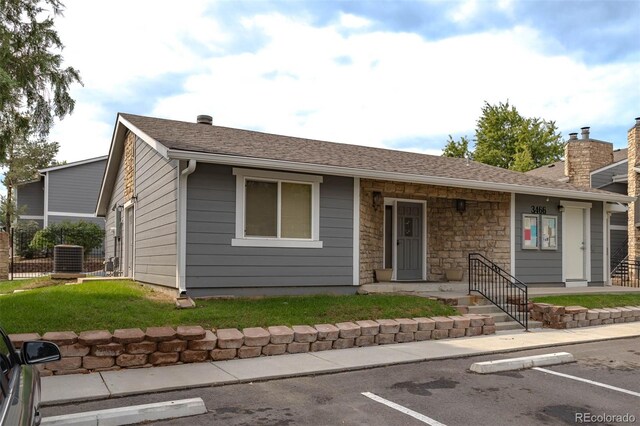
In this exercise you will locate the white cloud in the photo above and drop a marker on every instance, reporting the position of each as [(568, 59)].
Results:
[(82, 134), (348, 20), (465, 11), (397, 86), (370, 87)]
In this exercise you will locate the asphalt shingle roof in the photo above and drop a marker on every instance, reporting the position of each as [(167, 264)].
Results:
[(188, 136)]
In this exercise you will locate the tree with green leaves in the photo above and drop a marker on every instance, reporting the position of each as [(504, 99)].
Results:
[(24, 157), (506, 139), (457, 149), (34, 86)]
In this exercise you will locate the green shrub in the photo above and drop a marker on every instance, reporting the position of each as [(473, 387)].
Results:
[(85, 234), (23, 233)]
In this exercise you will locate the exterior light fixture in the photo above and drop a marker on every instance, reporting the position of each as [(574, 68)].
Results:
[(377, 200), (461, 205)]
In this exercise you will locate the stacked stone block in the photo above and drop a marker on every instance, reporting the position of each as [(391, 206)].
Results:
[(633, 190), (561, 317), (100, 350)]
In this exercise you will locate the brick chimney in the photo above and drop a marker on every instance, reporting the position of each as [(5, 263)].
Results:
[(633, 190), (583, 155)]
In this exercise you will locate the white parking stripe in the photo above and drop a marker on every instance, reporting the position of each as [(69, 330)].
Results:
[(414, 414), (591, 382)]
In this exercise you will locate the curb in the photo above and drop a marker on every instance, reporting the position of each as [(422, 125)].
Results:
[(131, 415), (488, 367)]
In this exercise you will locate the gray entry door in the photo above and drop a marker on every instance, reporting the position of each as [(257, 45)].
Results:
[(409, 244)]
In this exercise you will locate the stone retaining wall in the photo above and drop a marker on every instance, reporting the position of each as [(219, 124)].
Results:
[(561, 317), (132, 348)]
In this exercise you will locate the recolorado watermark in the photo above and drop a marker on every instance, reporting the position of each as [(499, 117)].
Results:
[(604, 418)]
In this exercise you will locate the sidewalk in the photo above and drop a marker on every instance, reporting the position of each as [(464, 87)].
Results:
[(65, 389)]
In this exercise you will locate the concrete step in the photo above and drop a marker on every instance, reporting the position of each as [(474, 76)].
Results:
[(514, 325), (484, 309), (416, 287)]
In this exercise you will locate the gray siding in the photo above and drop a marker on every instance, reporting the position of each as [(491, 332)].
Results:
[(75, 189), (30, 198), (215, 267), (597, 242), (605, 177), (537, 266), (156, 186), (545, 266)]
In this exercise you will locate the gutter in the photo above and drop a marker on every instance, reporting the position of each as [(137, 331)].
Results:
[(396, 176)]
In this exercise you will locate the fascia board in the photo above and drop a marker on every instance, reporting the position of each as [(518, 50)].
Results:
[(145, 137), (75, 163), (395, 176), (114, 158)]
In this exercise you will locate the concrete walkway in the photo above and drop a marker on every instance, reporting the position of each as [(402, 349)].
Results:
[(82, 387)]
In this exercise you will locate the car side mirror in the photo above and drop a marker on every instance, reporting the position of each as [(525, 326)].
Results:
[(37, 352), (4, 364)]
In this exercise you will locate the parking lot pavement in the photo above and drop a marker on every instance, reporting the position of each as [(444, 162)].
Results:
[(443, 391)]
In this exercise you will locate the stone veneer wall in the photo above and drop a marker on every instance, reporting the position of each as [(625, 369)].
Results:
[(583, 156), (562, 317), (633, 190), (129, 165), (484, 227), (132, 348)]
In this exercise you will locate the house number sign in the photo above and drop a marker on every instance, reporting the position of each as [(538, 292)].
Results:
[(538, 210)]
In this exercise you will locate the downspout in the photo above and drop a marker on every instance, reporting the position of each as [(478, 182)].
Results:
[(45, 219), (182, 223)]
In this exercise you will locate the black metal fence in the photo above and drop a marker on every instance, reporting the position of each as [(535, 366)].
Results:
[(499, 287), (32, 256), (626, 274)]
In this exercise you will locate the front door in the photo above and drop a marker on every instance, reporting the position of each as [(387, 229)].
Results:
[(409, 241), (575, 244)]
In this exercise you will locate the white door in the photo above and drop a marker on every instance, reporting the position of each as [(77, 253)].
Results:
[(575, 244)]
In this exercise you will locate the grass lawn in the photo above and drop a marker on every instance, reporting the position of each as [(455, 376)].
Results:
[(10, 286), (593, 300), (112, 305)]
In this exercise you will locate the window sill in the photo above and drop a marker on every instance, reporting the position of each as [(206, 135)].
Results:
[(258, 242)]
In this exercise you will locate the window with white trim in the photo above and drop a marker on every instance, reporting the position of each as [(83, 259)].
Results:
[(276, 209)]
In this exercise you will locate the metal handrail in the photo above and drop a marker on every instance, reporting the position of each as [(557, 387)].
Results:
[(619, 256), (499, 287), (627, 274)]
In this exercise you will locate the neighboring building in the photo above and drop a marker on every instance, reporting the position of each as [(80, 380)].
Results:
[(63, 193), (219, 211), (593, 163)]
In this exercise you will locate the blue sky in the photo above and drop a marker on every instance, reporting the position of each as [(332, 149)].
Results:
[(396, 74)]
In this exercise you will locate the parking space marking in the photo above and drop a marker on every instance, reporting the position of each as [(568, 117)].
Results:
[(591, 382), (405, 410)]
